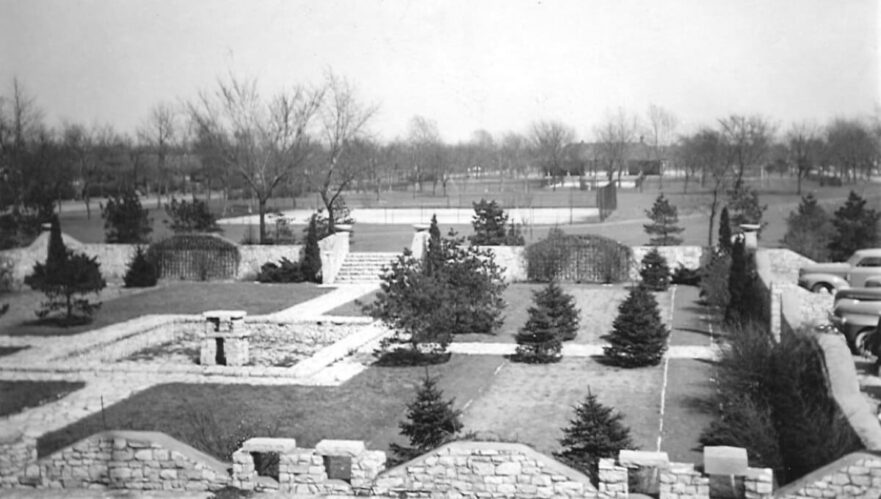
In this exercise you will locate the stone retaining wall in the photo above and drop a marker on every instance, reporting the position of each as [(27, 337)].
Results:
[(690, 257), (114, 258), (854, 475), (123, 460)]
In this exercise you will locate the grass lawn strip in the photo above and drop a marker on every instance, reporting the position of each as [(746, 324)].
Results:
[(688, 409), (177, 298), (4, 351), (532, 403), (368, 407), (16, 396)]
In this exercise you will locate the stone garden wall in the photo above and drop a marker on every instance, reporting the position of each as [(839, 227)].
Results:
[(512, 259), (122, 460), (114, 258), (690, 257)]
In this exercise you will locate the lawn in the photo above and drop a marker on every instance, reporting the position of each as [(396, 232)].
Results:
[(598, 305), (531, 403), (16, 396), (688, 408), (367, 407), (178, 297)]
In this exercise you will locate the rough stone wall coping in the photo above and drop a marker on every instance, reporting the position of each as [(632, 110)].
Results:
[(158, 438), (633, 458), (845, 388), (260, 444), (467, 446), (9, 435), (340, 448), (820, 474)]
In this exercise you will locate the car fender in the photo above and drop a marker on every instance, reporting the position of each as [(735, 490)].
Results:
[(811, 280)]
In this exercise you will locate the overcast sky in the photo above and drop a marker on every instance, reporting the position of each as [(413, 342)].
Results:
[(495, 65)]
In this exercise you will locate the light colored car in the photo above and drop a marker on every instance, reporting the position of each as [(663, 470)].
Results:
[(856, 313), (862, 269)]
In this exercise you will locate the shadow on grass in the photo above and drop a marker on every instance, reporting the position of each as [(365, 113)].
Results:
[(11, 350)]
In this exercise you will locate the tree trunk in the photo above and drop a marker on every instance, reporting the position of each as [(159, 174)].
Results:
[(261, 206), (712, 217)]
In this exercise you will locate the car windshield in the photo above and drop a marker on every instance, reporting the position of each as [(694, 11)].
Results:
[(854, 259)]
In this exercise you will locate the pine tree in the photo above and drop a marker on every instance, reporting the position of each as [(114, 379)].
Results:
[(809, 230), (431, 421), (664, 227), (125, 220), (141, 272), (553, 318), (855, 228), (311, 263), (740, 279), (638, 337), (491, 227), (744, 206), (725, 231), (596, 432), (56, 252), (433, 253), (654, 271)]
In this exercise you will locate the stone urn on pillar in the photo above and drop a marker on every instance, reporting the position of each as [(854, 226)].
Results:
[(750, 235), (420, 240)]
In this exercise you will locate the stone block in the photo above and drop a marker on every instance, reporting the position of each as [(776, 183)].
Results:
[(350, 448), (144, 454), (508, 469), (279, 445), (725, 460), (637, 458)]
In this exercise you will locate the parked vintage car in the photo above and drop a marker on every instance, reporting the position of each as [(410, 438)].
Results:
[(862, 269), (856, 313)]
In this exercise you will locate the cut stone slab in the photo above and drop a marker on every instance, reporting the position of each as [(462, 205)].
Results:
[(340, 448), (724, 460), (280, 445), (636, 458)]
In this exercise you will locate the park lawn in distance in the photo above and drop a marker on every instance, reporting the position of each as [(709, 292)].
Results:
[(532, 403), (16, 396), (367, 407), (177, 297)]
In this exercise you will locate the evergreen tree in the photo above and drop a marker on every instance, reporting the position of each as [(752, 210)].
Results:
[(725, 231), (431, 421), (125, 220), (638, 337), (654, 271), (596, 432), (188, 217), (311, 263), (744, 206), (141, 272), (491, 226), (856, 227), (433, 259), (742, 303), (66, 278), (809, 230), (664, 227), (553, 318)]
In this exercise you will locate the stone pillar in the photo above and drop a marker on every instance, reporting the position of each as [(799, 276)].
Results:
[(681, 481), (758, 483), (17, 452), (751, 235), (613, 479), (225, 329), (420, 240), (244, 473)]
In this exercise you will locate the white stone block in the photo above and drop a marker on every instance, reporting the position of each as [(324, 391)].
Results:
[(340, 448)]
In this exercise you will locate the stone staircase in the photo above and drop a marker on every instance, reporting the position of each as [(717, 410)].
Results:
[(363, 267)]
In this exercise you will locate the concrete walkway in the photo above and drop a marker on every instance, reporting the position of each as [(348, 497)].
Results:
[(320, 305), (573, 350)]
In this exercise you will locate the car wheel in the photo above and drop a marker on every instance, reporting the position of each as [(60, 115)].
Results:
[(859, 342), (821, 288)]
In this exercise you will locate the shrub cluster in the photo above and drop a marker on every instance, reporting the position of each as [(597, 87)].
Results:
[(283, 271), (812, 232), (714, 284), (552, 319), (774, 401), (599, 259)]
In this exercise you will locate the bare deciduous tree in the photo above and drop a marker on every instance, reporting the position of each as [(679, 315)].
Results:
[(706, 150), (614, 138), (264, 141), (804, 145), (343, 120), (159, 133), (548, 141), (661, 129), (747, 141), (851, 147), (426, 153)]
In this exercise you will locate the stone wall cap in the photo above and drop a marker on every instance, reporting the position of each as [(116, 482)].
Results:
[(340, 448), (263, 444), (224, 314), (632, 458)]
